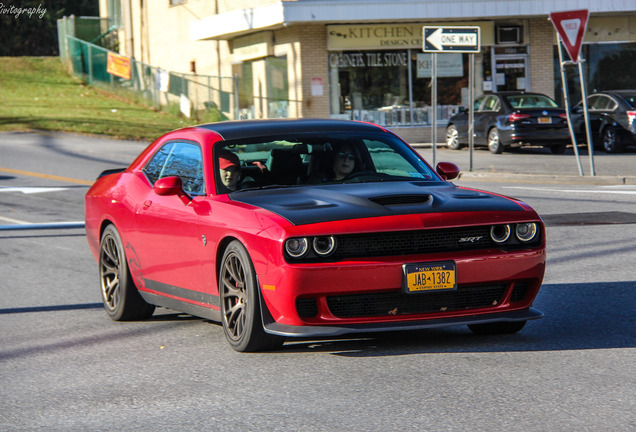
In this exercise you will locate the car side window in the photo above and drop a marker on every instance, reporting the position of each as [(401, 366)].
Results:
[(179, 159), (478, 103), (491, 104), (598, 103)]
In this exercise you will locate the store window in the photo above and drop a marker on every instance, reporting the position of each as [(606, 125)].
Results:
[(277, 87), (243, 71), (394, 87), (607, 66)]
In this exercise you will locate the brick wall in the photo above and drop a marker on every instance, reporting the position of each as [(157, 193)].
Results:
[(541, 56)]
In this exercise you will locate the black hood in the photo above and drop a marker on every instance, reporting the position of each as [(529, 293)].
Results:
[(327, 203)]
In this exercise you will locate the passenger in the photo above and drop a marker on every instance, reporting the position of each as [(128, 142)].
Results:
[(230, 172), (230, 169)]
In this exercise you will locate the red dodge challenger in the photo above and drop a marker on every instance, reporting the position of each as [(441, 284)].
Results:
[(309, 228)]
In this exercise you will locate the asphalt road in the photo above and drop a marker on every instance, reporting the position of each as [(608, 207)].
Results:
[(66, 367)]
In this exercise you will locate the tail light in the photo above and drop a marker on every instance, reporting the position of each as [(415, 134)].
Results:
[(517, 116), (631, 115), (564, 115)]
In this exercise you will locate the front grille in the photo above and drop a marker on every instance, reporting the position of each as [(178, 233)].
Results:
[(413, 242), (397, 303)]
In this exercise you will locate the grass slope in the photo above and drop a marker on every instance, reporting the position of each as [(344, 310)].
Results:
[(36, 93)]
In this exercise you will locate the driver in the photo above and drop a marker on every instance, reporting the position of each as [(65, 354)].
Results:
[(343, 163)]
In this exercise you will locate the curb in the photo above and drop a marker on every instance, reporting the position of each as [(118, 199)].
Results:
[(546, 178)]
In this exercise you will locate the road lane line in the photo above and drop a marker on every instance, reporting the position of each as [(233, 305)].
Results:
[(13, 221), (46, 176)]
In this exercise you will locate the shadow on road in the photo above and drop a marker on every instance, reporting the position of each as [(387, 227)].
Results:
[(577, 317)]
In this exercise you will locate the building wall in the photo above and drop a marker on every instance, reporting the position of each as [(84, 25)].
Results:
[(541, 56), (161, 37), (314, 67)]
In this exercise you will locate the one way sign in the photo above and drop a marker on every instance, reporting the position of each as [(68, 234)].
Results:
[(451, 39)]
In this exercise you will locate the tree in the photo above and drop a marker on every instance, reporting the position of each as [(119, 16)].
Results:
[(29, 27)]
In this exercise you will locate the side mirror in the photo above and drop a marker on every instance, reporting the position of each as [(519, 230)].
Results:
[(173, 185), (447, 170), (462, 109)]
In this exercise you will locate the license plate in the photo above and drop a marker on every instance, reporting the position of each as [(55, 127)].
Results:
[(544, 120), (433, 276)]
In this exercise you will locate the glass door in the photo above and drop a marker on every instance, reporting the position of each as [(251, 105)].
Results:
[(510, 74)]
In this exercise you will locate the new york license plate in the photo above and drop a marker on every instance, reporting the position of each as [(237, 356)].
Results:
[(545, 120), (432, 276)]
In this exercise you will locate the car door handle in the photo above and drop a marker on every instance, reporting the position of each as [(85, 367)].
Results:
[(147, 204)]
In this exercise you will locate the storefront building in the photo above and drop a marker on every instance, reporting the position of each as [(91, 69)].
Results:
[(363, 60)]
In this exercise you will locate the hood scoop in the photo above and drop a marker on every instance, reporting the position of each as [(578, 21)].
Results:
[(396, 200)]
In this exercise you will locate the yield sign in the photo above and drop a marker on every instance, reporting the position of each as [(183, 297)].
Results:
[(571, 26)]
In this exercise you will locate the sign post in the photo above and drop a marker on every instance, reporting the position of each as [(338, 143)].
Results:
[(456, 39), (570, 27)]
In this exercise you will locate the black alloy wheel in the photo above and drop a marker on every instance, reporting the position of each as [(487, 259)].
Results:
[(240, 303), (120, 296)]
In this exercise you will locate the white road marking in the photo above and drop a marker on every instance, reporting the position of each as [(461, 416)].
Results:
[(13, 221), (32, 190)]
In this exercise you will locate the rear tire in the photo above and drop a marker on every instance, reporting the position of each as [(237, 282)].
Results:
[(495, 328), (610, 140), (240, 303), (120, 296), (494, 142)]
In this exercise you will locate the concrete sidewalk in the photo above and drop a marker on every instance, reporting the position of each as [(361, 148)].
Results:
[(537, 165)]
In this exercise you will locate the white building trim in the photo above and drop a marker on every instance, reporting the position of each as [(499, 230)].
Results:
[(282, 13)]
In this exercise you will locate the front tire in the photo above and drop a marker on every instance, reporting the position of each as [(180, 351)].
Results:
[(240, 303), (120, 296), (494, 141), (497, 328), (558, 149), (452, 138)]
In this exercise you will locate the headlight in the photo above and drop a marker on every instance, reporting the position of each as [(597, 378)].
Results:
[(297, 247), (500, 233), (525, 232), (324, 246)]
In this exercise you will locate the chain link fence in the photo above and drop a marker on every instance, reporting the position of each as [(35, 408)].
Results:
[(205, 98)]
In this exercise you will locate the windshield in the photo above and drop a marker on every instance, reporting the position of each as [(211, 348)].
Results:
[(314, 159), (531, 101)]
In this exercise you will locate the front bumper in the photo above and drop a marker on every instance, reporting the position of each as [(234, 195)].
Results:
[(286, 330)]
